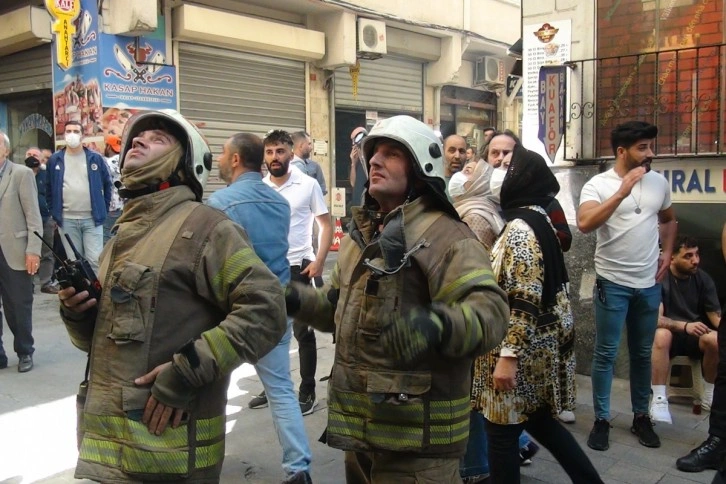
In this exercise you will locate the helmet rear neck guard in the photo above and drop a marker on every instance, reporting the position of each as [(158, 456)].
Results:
[(195, 163)]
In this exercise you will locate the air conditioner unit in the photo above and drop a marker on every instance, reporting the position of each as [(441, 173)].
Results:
[(489, 71), (371, 39)]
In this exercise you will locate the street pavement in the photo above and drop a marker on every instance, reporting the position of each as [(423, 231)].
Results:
[(37, 422)]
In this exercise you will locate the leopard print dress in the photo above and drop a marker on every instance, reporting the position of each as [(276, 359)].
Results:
[(542, 338)]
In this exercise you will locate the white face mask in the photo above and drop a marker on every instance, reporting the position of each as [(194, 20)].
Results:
[(456, 184), (42, 166), (73, 140), (496, 180)]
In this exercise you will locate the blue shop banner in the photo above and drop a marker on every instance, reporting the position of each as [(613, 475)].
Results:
[(135, 72), (110, 78), (552, 91), (76, 92)]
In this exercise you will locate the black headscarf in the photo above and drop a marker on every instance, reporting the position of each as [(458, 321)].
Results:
[(530, 181)]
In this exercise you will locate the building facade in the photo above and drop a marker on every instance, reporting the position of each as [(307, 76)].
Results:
[(660, 61), (325, 66)]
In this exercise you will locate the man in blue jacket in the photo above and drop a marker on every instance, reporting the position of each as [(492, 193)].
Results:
[(265, 216), (78, 192)]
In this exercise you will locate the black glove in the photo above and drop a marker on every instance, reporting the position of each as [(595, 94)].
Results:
[(409, 337), (293, 299)]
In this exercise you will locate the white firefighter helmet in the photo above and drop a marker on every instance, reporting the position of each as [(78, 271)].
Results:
[(197, 159), (424, 145)]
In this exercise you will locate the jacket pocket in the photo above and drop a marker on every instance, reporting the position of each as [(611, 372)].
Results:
[(380, 298), (399, 406), (132, 300)]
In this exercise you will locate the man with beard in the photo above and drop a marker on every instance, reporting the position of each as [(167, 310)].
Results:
[(33, 160), (628, 206), (265, 216), (689, 319), (302, 149), (454, 155), (185, 301), (307, 206)]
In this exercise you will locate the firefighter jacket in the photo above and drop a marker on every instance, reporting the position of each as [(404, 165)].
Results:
[(421, 257), (181, 283)]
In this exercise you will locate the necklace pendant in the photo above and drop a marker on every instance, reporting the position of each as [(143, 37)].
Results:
[(638, 210)]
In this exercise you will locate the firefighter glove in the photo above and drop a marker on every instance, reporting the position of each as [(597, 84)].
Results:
[(409, 337)]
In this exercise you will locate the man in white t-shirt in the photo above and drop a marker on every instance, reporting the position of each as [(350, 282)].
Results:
[(628, 206), (307, 205)]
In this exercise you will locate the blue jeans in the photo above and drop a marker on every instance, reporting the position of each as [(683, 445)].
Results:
[(87, 237), (637, 309), (274, 372)]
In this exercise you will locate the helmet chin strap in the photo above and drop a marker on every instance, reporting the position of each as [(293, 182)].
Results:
[(172, 181)]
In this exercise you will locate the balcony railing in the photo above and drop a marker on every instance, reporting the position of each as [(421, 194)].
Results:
[(681, 91)]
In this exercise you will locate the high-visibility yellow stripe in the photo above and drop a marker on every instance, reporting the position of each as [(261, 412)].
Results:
[(209, 455), (449, 434), (101, 451), (451, 410), (223, 351), (397, 426), (142, 461), (210, 428), (346, 425), (394, 436), (233, 267), (473, 335), (147, 462), (481, 277), (120, 428)]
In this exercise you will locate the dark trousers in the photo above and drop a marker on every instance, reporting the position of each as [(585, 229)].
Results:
[(717, 420), (504, 449), (47, 261), (305, 336), (16, 294)]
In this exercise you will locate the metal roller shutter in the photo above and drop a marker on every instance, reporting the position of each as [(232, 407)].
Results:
[(227, 92), (29, 70), (386, 84)]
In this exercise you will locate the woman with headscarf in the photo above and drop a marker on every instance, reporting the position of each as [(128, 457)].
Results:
[(479, 209), (530, 376)]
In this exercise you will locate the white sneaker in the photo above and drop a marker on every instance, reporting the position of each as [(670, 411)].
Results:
[(567, 416), (659, 410)]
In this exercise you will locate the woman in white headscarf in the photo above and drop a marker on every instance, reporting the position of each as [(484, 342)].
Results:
[(469, 189)]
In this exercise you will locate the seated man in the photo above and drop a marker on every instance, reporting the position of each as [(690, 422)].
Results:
[(688, 318)]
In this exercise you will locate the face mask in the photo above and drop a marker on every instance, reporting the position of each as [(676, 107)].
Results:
[(42, 166), (73, 140), (496, 180), (456, 184)]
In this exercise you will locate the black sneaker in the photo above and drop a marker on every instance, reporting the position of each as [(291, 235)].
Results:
[(708, 455), (307, 403), (3, 362), (599, 438), (643, 428), (260, 401)]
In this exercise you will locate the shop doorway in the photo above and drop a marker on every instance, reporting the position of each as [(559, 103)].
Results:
[(29, 122)]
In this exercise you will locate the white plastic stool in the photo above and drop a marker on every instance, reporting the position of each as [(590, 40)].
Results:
[(695, 391)]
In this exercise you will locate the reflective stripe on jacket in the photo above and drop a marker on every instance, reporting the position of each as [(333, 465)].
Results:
[(373, 405)]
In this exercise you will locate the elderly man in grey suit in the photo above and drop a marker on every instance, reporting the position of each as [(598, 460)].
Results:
[(19, 254)]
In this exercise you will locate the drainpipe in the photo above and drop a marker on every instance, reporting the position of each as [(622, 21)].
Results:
[(437, 108)]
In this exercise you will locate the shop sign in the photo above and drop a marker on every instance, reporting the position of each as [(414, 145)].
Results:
[(136, 72), (702, 181), (64, 12), (552, 89), (36, 121)]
